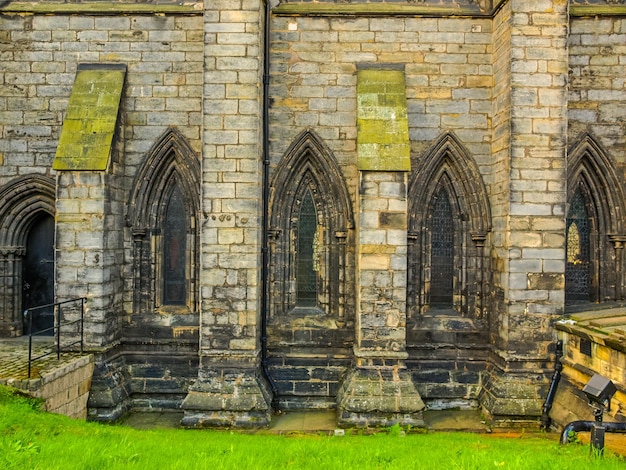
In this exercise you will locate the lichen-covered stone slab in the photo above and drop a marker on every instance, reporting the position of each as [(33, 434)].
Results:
[(90, 120), (382, 121)]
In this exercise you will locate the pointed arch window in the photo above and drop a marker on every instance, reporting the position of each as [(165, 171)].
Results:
[(310, 220), (441, 251), (306, 255), (163, 215), (594, 264), (449, 219)]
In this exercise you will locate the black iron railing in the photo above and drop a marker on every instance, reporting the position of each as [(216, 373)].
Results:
[(59, 323)]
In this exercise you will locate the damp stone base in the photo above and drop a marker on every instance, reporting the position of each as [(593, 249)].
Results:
[(109, 397), (514, 400), (380, 396), (228, 398)]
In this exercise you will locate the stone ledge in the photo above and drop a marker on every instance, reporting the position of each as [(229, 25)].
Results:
[(102, 8), (597, 10), (228, 398), (605, 327), (369, 9), (425, 10), (513, 399), (382, 397)]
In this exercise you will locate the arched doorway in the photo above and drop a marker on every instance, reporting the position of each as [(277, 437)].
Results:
[(38, 274)]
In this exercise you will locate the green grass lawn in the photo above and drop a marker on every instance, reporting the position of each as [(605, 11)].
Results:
[(31, 439)]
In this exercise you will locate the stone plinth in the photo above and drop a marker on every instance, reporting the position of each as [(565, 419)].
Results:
[(514, 399), (228, 393), (379, 390)]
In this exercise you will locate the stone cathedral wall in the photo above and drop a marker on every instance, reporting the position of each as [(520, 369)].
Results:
[(196, 67), (596, 90), (448, 67), (163, 54)]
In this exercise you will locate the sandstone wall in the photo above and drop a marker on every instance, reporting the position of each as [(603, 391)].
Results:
[(64, 390), (596, 91), (448, 66)]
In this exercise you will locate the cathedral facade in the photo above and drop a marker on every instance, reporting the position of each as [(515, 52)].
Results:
[(378, 207)]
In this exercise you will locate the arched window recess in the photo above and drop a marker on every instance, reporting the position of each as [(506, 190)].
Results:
[(449, 219), (310, 219), (594, 226), (163, 214)]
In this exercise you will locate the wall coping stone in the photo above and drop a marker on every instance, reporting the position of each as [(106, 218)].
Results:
[(597, 10), (369, 9), (426, 10), (293, 9), (103, 8), (605, 327)]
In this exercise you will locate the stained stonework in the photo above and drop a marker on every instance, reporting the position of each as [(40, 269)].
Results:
[(238, 256), (310, 338), (379, 390), (593, 343), (383, 130)]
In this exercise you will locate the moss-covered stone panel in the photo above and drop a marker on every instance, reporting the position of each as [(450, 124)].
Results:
[(382, 120), (90, 120)]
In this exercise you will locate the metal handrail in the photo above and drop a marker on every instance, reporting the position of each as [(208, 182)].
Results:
[(56, 329)]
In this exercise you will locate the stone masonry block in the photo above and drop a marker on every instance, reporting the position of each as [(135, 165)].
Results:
[(374, 262)]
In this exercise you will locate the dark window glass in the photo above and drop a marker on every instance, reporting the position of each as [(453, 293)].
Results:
[(577, 276), (442, 252), (175, 242), (306, 272)]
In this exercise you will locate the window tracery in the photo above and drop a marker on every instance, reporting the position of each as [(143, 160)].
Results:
[(594, 226), (310, 218), (163, 212), (175, 247), (442, 251), (449, 219), (307, 255)]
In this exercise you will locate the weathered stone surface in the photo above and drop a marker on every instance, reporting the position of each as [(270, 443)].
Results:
[(379, 397), (383, 131), (109, 397), (228, 398), (91, 119), (510, 399), (508, 113)]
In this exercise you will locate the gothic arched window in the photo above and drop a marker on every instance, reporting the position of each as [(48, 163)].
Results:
[(310, 218), (594, 264), (449, 219), (307, 264), (441, 251), (163, 213), (310, 294)]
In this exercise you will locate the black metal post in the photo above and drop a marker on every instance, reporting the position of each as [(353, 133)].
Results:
[(596, 441), (30, 338), (82, 324), (57, 329)]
